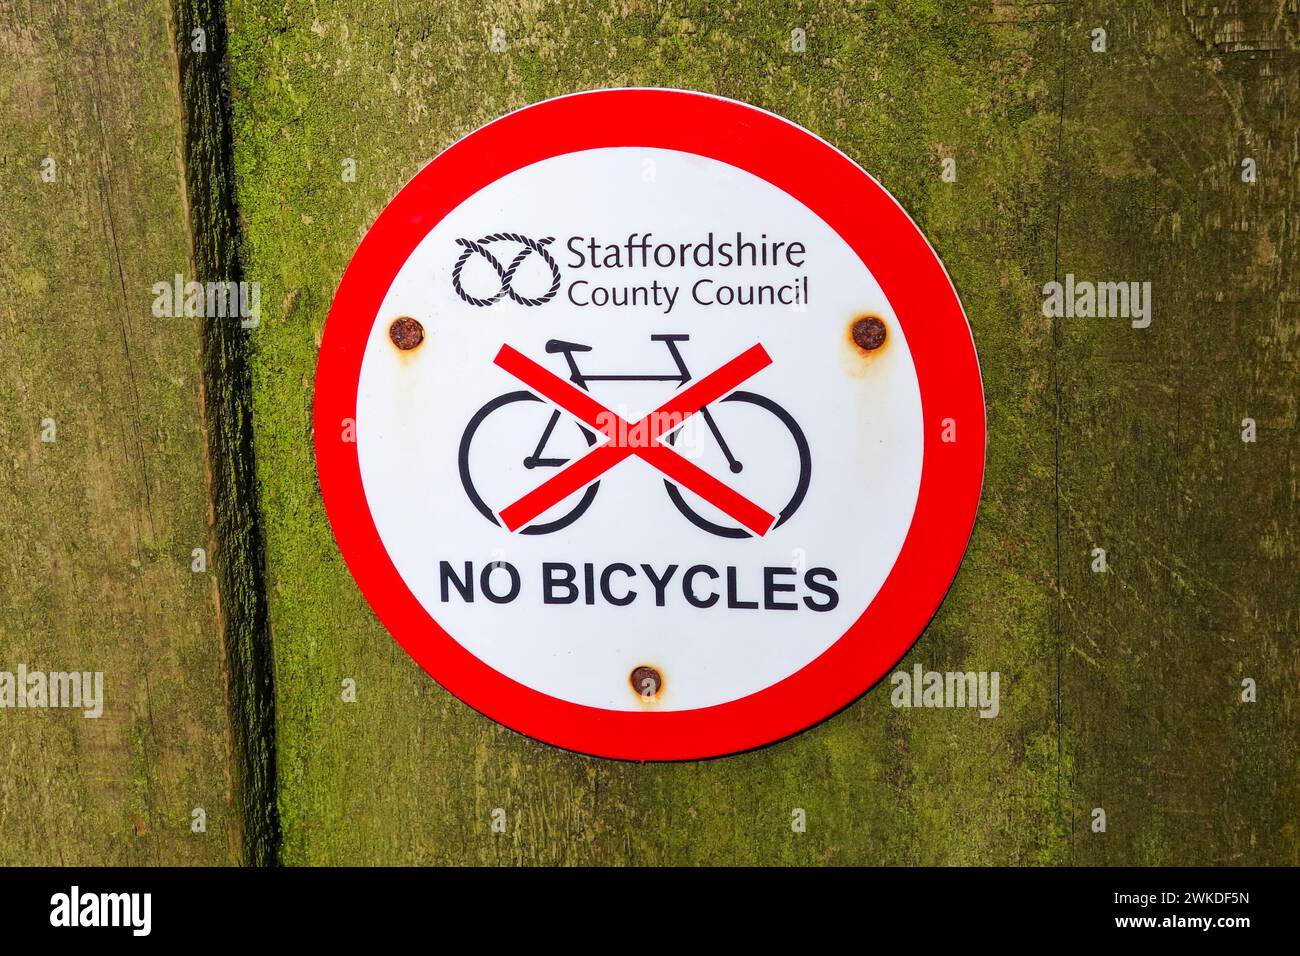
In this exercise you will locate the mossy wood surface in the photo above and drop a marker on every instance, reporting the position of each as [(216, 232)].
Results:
[(1121, 691), (98, 525)]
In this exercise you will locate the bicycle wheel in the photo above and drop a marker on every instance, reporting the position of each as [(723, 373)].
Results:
[(467, 479), (796, 441)]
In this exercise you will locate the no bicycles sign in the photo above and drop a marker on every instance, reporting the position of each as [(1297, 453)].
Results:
[(649, 424)]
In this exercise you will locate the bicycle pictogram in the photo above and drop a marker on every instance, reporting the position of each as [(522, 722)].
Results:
[(766, 432), (506, 274)]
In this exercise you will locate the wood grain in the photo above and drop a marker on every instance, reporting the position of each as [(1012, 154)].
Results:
[(98, 526)]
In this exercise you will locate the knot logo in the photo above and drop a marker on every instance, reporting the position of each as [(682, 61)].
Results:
[(507, 273)]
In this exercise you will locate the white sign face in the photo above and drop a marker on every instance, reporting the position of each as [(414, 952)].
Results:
[(841, 428), (636, 429)]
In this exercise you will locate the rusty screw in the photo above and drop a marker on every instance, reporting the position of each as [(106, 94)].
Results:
[(647, 681), (868, 333), (406, 333)]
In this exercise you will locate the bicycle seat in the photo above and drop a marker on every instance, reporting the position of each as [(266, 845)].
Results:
[(555, 345)]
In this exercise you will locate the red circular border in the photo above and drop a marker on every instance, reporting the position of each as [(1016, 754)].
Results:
[(888, 242)]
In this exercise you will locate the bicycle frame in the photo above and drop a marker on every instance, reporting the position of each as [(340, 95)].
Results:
[(578, 378), (576, 375)]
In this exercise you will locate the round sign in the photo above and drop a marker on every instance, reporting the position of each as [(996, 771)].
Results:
[(649, 424)]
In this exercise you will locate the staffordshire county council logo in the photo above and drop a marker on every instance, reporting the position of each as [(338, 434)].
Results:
[(506, 274)]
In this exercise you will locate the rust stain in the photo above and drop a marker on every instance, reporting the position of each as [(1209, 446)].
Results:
[(866, 339), (868, 334), (406, 333), (647, 683)]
